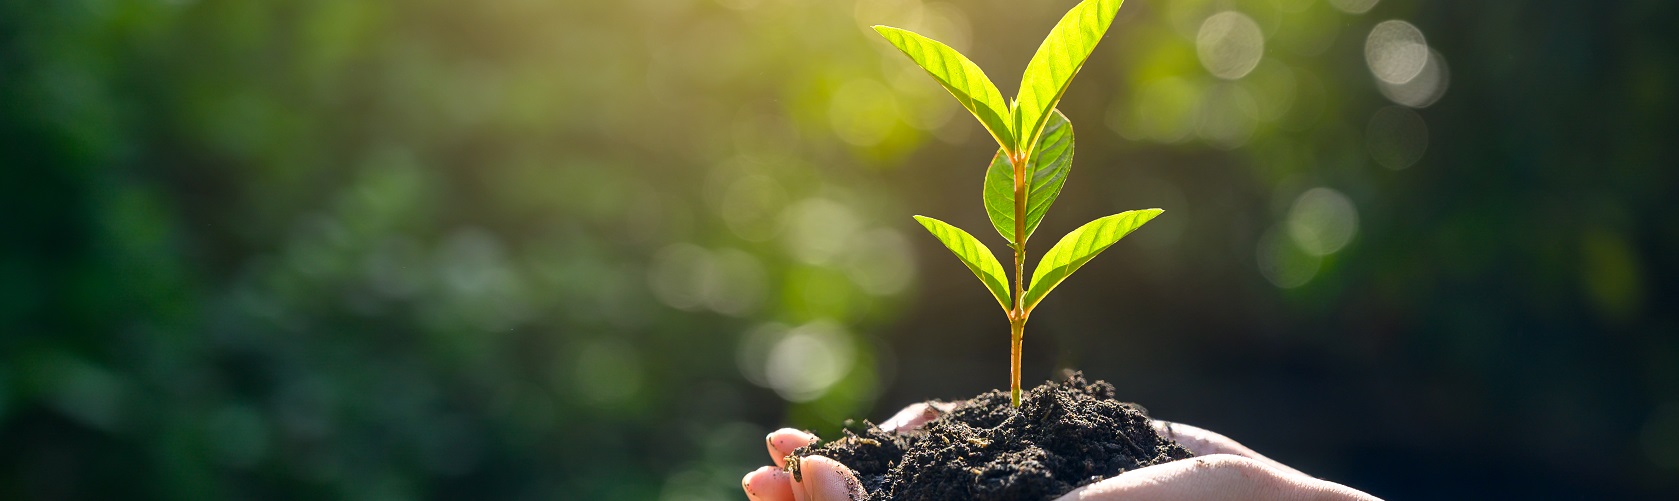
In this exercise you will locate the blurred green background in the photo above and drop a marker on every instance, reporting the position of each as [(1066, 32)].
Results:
[(557, 249)]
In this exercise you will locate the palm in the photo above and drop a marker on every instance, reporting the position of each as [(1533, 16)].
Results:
[(1222, 469)]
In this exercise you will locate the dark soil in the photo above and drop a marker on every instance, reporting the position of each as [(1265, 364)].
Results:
[(1064, 435)]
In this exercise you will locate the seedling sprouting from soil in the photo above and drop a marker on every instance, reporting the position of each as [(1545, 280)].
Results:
[(1034, 156)]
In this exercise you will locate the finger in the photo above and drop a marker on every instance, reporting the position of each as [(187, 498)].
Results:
[(823, 479), (768, 484), (1216, 476), (783, 442), (915, 415), (1204, 442)]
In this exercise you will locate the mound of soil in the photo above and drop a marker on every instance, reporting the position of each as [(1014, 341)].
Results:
[(1064, 435)]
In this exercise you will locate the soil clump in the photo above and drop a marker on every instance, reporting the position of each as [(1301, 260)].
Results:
[(1064, 435)]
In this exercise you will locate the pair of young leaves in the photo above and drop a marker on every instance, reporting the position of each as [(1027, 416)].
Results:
[(1029, 128)]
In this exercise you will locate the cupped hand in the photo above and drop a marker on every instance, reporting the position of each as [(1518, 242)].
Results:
[(1221, 469)]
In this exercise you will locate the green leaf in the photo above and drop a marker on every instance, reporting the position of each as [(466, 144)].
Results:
[(1079, 247), (972, 253), (1047, 172), (1057, 60), (958, 75)]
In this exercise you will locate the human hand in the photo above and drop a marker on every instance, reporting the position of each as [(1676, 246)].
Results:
[(1222, 469), (823, 479)]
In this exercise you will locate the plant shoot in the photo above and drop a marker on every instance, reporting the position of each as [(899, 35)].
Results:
[(1034, 156)]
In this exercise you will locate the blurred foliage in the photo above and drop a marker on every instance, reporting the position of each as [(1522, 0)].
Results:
[(595, 250)]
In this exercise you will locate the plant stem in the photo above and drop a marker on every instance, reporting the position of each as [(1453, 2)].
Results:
[(1017, 315), (1017, 327)]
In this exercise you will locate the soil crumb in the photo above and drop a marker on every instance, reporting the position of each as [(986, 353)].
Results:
[(1064, 435)]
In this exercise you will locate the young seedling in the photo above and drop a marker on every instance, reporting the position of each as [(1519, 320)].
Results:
[(1034, 155)]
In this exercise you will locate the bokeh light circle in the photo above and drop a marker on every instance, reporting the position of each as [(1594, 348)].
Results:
[(1229, 116), (804, 363), (1395, 51), (1283, 263), (689, 277), (1229, 44), (1322, 221), (1275, 82), (819, 231), (1397, 137), (748, 206), (881, 262), (1428, 86), (1354, 6)]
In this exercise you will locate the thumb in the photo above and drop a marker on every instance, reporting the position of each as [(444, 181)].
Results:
[(915, 415), (823, 479)]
